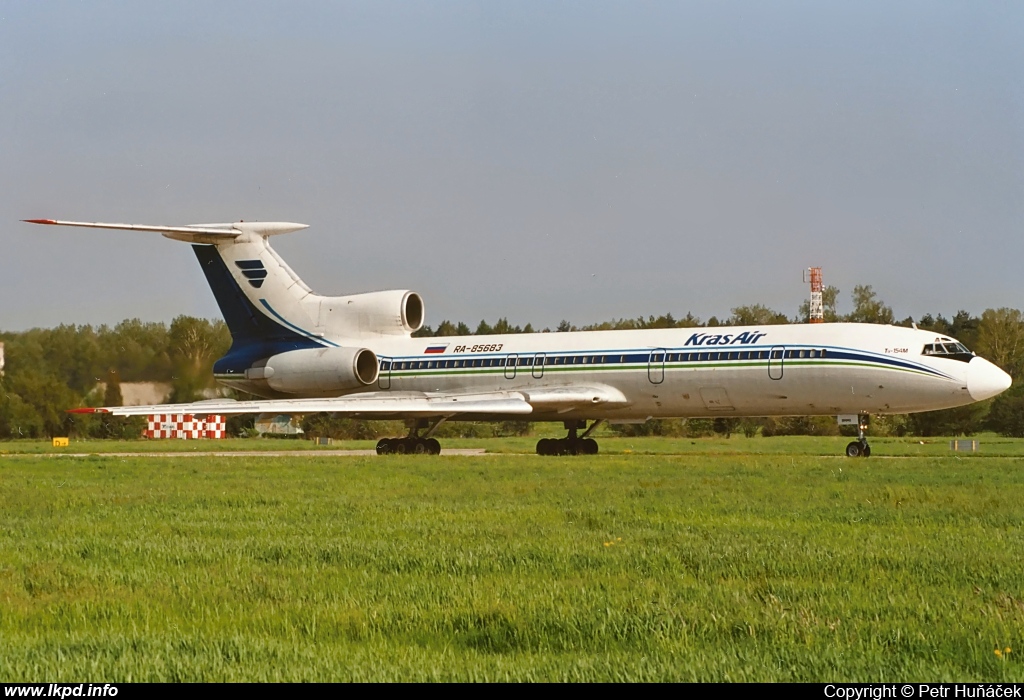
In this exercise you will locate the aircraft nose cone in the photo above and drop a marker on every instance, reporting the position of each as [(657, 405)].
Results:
[(985, 380)]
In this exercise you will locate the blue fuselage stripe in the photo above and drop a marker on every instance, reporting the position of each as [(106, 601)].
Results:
[(824, 355), (295, 328)]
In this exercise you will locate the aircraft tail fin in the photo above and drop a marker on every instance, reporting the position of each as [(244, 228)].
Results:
[(265, 304), (267, 307)]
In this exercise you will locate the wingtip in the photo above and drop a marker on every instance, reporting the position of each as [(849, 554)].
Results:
[(40, 221), (87, 410)]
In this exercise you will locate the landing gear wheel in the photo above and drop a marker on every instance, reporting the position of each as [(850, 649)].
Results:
[(867, 450), (550, 447), (408, 445), (569, 445), (854, 449)]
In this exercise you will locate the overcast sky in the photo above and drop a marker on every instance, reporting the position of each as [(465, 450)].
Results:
[(534, 160)]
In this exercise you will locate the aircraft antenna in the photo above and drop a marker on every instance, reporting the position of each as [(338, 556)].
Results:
[(817, 306)]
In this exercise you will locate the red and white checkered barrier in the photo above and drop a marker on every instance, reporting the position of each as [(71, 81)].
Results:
[(185, 426)]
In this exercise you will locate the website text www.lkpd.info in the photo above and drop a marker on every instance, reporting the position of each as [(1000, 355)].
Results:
[(61, 690)]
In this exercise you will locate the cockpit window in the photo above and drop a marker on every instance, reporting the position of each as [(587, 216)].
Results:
[(952, 351)]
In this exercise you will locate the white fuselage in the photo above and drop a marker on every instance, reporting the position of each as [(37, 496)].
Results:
[(821, 369)]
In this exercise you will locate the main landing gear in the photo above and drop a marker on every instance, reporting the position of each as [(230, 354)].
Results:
[(408, 446), (413, 443), (572, 444), (860, 446)]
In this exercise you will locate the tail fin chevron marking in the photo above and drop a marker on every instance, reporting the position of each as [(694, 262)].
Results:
[(253, 270)]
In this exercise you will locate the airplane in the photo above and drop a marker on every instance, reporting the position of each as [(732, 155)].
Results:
[(303, 353)]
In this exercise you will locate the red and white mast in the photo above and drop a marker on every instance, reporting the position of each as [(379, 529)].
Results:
[(817, 306)]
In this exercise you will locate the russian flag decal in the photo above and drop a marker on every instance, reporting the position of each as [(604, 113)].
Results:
[(435, 349)]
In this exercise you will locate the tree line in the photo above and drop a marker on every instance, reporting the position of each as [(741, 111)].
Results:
[(50, 370)]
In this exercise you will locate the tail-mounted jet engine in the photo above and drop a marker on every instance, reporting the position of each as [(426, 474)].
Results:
[(392, 312), (318, 372)]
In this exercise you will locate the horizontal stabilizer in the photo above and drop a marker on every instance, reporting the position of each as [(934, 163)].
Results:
[(199, 233)]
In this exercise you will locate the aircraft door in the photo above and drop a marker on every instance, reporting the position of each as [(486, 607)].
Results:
[(510, 366), (384, 375), (656, 366), (776, 357), (538, 365)]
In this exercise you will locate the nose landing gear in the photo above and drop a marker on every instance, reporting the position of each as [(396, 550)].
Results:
[(860, 446)]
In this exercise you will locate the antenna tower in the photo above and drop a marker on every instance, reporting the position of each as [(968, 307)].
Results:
[(817, 307)]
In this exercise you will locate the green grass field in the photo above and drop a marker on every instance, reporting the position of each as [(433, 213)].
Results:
[(991, 445), (741, 559)]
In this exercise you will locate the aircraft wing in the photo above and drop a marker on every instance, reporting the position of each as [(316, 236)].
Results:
[(396, 404)]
